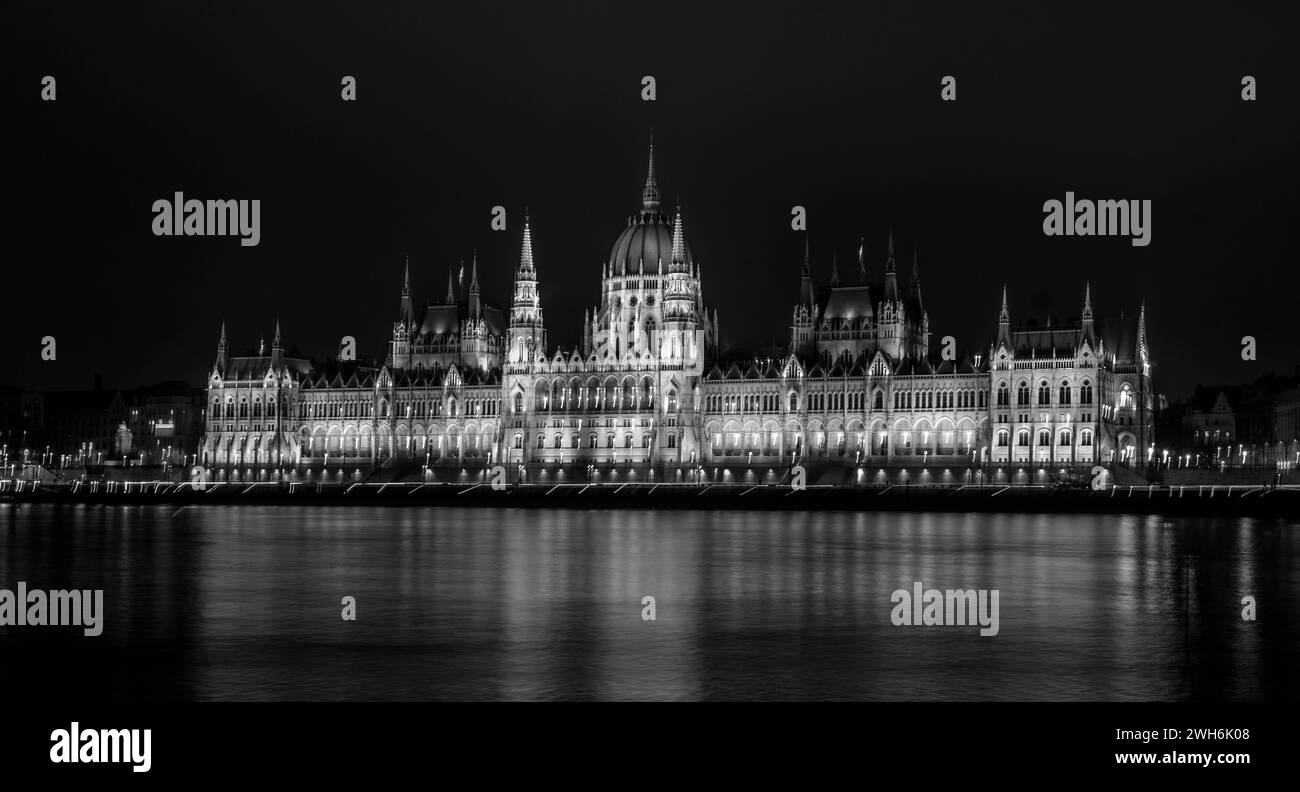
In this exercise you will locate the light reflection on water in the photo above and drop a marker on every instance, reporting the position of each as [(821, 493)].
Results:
[(244, 603)]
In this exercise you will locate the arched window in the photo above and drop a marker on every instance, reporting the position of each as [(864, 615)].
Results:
[(672, 440), (1065, 393), (1085, 437), (1065, 437), (1126, 397), (519, 441), (243, 408), (591, 440), (1044, 437), (559, 441), (1004, 395), (1085, 393), (541, 441), (794, 402), (1044, 393), (1022, 437), (879, 403), (609, 440), (627, 440), (1003, 437), (672, 401), (216, 409), (1022, 395)]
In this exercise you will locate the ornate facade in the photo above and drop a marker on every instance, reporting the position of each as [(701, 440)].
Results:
[(649, 391)]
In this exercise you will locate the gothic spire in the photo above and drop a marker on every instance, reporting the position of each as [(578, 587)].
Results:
[(222, 353), (276, 343), (862, 261), (526, 255), (473, 286), (650, 192), (407, 312), (1142, 330), (1087, 302), (679, 243), (1004, 320), (451, 286), (891, 273)]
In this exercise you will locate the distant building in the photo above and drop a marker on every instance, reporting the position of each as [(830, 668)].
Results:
[(1211, 418), (83, 424)]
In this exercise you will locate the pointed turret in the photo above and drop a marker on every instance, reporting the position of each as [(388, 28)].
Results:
[(678, 261), (475, 303), (807, 292), (223, 352), (451, 287), (891, 272), (1143, 352), (1004, 320), (277, 346), (527, 336), (407, 312), (1089, 333)]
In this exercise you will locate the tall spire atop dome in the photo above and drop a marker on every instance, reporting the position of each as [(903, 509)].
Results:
[(650, 193)]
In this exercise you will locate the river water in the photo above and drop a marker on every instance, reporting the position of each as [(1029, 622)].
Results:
[(245, 603)]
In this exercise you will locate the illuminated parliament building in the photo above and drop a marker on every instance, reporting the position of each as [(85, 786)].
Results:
[(860, 388)]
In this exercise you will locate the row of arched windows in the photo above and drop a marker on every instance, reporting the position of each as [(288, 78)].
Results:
[(1063, 398), (243, 409)]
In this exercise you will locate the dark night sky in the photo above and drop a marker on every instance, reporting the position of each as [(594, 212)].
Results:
[(759, 108)]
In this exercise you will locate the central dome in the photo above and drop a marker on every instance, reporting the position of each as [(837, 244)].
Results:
[(648, 238)]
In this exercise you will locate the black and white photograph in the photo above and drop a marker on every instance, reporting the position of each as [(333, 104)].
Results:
[(939, 360)]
